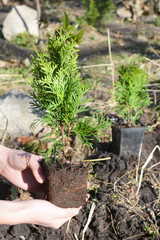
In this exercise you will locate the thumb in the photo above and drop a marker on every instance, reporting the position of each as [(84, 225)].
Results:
[(37, 169)]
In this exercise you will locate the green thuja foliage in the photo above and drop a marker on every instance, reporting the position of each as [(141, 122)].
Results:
[(92, 13), (96, 9), (59, 95), (131, 93)]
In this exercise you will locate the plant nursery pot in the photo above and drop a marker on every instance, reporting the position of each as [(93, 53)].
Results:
[(66, 186), (127, 141)]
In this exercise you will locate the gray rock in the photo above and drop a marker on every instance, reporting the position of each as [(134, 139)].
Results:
[(21, 19), (17, 115), (124, 13)]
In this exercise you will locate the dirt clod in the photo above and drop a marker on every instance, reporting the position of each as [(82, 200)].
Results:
[(66, 185)]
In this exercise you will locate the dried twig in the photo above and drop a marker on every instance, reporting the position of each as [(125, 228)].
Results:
[(144, 166), (110, 55), (75, 236), (124, 201), (112, 220), (153, 166), (155, 125), (139, 157), (89, 219), (152, 61), (114, 185), (154, 51), (97, 160), (10, 75), (67, 229), (5, 132), (96, 65), (12, 82)]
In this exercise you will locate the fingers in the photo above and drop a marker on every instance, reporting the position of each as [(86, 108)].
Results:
[(87, 197), (66, 213), (36, 168), (71, 212), (59, 223)]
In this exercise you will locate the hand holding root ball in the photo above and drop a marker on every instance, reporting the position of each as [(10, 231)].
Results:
[(23, 170)]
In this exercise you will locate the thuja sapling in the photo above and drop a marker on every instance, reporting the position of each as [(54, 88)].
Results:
[(131, 98), (131, 93), (59, 95)]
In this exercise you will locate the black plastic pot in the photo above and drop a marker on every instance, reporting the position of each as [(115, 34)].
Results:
[(127, 141)]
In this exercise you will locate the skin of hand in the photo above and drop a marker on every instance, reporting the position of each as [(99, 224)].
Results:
[(23, 170), (35, 211)]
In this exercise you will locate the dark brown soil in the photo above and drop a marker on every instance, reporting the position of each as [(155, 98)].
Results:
[(118, 213), (66, 186)]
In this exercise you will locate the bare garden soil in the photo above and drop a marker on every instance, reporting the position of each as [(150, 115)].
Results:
[(119, 213)]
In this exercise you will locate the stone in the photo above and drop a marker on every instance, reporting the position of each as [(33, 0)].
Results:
[(17, 115), (124, 13), (26, 62), (21, 19)]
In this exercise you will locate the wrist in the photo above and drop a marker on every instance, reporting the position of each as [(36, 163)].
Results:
[(14, 212)]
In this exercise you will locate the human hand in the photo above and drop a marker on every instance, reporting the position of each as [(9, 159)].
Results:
[(40, 212), (21, 168), (46, 214)]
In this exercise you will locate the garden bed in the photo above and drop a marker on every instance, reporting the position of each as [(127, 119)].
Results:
[(119, 213)]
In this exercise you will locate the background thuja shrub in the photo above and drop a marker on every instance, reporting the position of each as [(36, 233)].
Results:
[(92, 13), (59, 94), (96, 9), (131, 93)]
